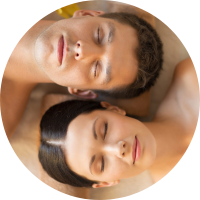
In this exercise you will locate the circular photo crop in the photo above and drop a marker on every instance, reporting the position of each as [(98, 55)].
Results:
[(100, 100)]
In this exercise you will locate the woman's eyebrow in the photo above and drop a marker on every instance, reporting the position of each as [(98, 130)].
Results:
[(95, 137), (94, 130), (91, 162)]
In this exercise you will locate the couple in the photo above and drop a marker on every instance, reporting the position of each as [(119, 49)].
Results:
[(91, 144), (88, 51)]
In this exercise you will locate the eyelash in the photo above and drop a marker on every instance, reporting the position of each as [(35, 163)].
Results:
[(102, 166), (106, 128), (95, 71), (98, 39)]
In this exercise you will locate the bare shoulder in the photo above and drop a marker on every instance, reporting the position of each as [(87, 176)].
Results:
[(14, 97), (185, 74), (181, 103)]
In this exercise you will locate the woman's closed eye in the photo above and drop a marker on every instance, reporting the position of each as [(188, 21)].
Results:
[(102, 161), (106, 128)]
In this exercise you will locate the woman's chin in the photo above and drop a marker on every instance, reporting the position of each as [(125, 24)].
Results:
[(147, 159)]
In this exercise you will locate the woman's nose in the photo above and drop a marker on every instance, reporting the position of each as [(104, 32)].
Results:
[(120, 149), (84, 50)]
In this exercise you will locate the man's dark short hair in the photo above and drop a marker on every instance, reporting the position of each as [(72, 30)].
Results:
[(149, 54)]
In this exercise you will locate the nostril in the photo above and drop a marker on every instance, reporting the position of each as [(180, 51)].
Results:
[(77, 54), (123, 154), (123, 145), (78, 44)]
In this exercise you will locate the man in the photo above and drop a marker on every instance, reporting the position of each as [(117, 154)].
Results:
[(119, 55)]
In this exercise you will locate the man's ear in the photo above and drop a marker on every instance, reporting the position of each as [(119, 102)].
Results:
[(81, 13), (105, 184), (110, 107), (86, 94)]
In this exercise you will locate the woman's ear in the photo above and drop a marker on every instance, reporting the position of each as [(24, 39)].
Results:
[(85, 94), (105, 184), (110, 107), (81, 13)]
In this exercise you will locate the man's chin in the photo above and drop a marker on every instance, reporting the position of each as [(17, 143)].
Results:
[(42, 51)]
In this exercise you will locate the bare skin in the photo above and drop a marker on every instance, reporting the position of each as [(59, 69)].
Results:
[(21, 75), (175, 122), (24, 70)]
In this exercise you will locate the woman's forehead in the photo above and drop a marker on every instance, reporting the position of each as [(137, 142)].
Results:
[(77, 151)]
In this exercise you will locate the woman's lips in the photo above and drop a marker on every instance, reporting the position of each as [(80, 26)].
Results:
[(133, 150), (136, 150), (60, 50)]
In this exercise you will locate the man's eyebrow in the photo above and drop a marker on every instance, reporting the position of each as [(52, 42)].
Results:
[(108, 74), (111, 34), (91, 162)]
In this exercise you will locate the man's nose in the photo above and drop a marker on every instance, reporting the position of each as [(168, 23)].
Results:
[(84, 50), (120, 149)]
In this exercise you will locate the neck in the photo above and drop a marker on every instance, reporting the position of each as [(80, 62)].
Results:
[(171, 145), (160, 140), (23, 60)]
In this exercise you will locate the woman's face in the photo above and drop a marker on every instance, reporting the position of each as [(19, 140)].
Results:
[(107, 146)]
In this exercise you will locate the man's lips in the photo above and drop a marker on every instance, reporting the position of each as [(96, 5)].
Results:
[(60, 50), (136, 150)]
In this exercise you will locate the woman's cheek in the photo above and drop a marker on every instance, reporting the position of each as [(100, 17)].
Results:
[(120, 168)]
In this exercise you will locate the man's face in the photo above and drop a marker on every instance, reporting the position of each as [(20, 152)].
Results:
[(88, 52)]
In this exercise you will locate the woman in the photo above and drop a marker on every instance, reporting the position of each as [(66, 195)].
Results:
[(90, 144)]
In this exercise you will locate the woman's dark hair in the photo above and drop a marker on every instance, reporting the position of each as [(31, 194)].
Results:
[(53, 127), (149, 54)]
